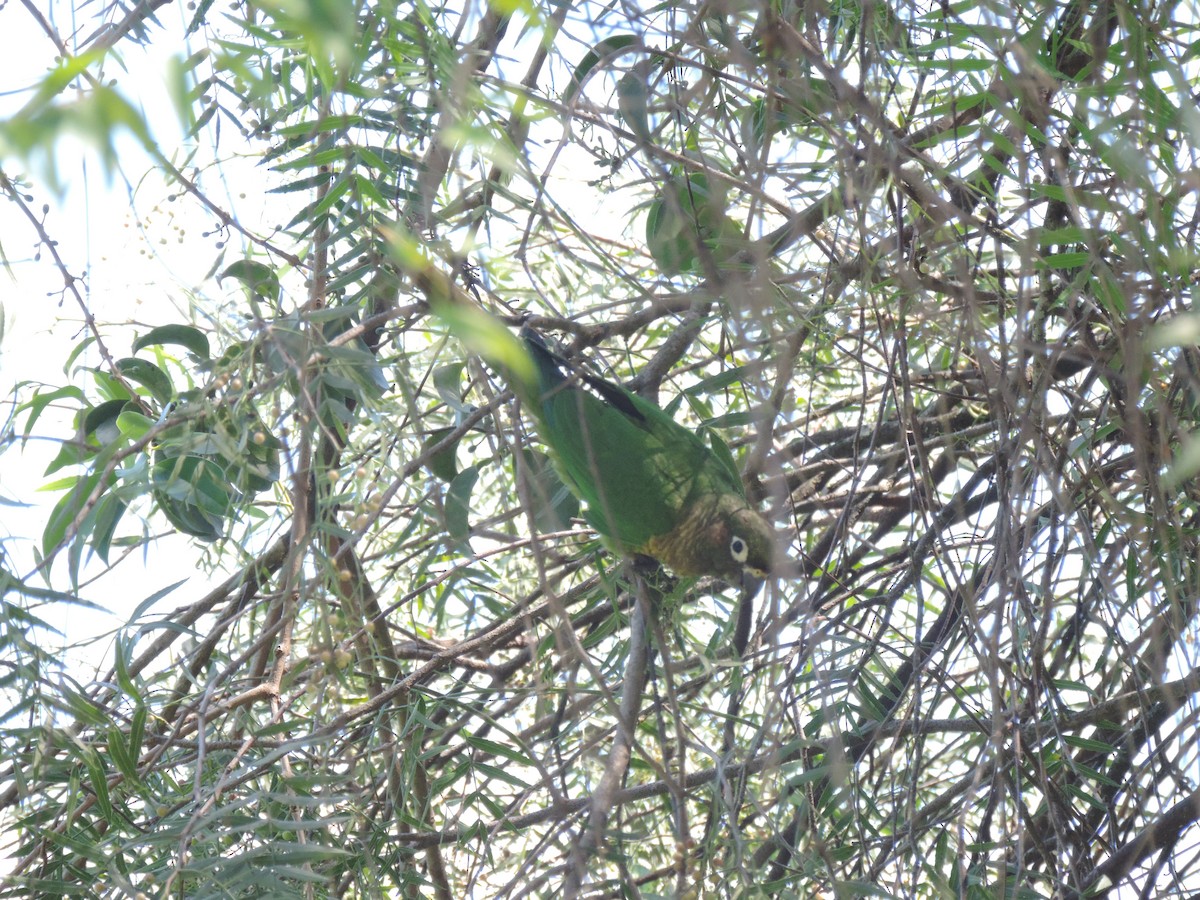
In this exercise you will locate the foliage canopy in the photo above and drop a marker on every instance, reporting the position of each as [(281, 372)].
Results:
[(929, 270)]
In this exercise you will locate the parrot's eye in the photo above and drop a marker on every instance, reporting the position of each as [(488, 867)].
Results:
[(738, 549)]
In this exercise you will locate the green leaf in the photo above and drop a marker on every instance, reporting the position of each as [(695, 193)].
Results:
[(1186, 463), (725, 456), (104, 519), (501, 773), (668, 238), (254, 461), (632, 103), (137, 728), (154, 598), (955, 63), (111, 387), (71, 453), (689, 215), (359, 367), (65, 511), (307, 183), (458, 505), (444, 463), (495, 748), (37, 405), (447, 380), (260, 279), (119, 752), (1087, 744), (133, 424), (719, 382), (322, 125), (553, 504), (754, 126), (733, 419), (121, 655), (98, 782), (606, 49), (1072, 259), (188, 518), (76, 352), (149, 376), (101, 421), (489, 337), (194, 494), (194, 480), (1087, 796), (83, 709), (191, 339), (1182, 330), (96, 111)]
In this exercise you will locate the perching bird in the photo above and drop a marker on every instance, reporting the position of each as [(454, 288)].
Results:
[(651, 486)]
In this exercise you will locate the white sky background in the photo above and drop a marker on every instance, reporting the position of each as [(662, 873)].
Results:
[(140, 256)]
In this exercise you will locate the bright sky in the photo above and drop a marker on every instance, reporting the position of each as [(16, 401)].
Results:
[(140, 255)]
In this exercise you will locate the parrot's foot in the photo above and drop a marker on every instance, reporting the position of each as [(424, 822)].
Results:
[(645, 566)]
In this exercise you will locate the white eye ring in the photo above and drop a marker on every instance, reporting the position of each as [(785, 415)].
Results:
[(738, 549)]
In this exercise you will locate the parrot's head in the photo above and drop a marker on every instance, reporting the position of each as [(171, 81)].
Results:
[(722, 536), (749, 550)]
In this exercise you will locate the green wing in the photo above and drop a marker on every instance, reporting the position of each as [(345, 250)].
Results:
[(631, 463)]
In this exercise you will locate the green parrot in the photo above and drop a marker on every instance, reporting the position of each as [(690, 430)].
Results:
[(651, 486)]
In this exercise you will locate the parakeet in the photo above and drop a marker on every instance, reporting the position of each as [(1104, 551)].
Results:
[(651, 486)]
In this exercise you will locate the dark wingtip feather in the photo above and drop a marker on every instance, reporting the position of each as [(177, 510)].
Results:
[(614, 396), (554, 370), (549, 365)]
